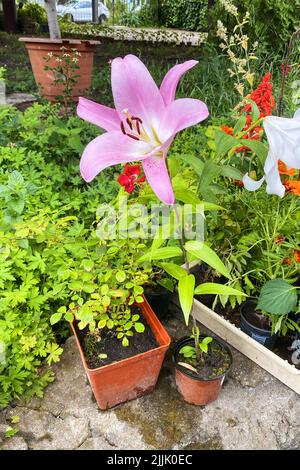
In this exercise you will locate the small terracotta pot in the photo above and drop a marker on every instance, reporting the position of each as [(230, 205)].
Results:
[(193, 389), (38, 48), (132, 377)]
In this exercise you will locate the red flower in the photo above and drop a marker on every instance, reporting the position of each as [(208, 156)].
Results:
[(286, 261), (292, 186), (227, 129), (129, 177), (264, 100), (284, 170)]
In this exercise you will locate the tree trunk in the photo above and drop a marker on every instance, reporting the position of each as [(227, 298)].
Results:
[(50, 6), (10, 16), (95, 11)]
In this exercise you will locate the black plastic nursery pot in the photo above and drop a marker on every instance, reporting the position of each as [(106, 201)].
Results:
[(194, 389), (262, 335), (159, 301)]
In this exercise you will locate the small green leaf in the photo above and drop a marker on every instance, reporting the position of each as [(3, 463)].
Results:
[(102, 356), (87, 264), (139, 299), (10, 432), (139, 327), (106, 300), (125, 342), (207, 340), (15, 419), (120, 276), (69, 316), (55, 318), (102, 324), (128, 325)]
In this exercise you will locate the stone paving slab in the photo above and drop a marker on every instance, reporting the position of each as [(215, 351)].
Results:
[(253, 411)]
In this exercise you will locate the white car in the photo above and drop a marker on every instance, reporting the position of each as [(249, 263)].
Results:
[(81, 11)]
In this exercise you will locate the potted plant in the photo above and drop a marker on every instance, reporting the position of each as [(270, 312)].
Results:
[(121, 342), (145, 124), (48, 60), (257, 324), (277, 305)]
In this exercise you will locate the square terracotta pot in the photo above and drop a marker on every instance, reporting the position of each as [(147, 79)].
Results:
[(132, 377)]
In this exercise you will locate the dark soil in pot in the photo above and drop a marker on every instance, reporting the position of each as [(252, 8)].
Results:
[(108, 343), (256, 325), (254, 317), (215, 363)]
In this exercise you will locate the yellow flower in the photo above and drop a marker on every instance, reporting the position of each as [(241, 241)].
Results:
[(240, 88)]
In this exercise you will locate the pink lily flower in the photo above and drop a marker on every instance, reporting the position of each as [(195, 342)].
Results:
[(143, 124)]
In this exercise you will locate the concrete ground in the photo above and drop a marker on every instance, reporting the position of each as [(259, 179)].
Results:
[(253, 411)]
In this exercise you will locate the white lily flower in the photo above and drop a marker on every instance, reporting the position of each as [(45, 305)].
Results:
[(283, 135)]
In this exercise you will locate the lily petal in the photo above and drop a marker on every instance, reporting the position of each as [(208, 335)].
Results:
[(297, 115), (274, 184), (284, 139), (110, 149), (180, 114), (171, 79), (135, 90), (157, 175), (252, 185), (102, 116)]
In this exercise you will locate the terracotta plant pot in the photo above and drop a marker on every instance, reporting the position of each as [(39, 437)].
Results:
[(193, 389), (38, 48), (129, 378)]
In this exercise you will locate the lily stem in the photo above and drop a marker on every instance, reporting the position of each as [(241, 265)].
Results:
[(187, 267)]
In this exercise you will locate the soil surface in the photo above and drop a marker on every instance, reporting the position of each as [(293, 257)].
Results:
[(215, 363), (256, 319), (110, 345)]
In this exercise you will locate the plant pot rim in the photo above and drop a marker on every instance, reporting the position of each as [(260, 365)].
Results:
[(261, 330), (70, 41), (191, 374), (121, 362)]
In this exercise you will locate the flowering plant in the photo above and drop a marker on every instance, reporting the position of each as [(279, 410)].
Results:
[(238, 49), (65, 71), (143, 124)]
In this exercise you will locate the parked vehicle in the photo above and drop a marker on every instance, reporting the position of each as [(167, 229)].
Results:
[(81, 11)]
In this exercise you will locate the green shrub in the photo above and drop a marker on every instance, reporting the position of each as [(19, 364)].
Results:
[(185, 14), (271, 21), (46, 232), (34, 11)]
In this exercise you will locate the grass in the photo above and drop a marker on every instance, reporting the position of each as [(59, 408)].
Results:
[(209, 81)]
